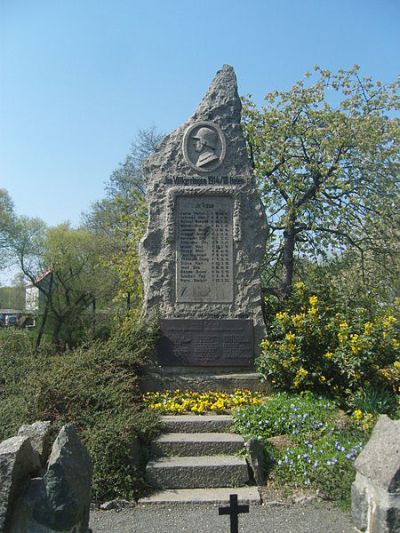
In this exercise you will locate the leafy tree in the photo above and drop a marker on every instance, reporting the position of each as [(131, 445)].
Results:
[(120, 219), (63, 264), (326, 156), (7, 226)]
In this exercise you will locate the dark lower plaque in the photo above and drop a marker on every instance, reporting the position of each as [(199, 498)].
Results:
[(206, 342)]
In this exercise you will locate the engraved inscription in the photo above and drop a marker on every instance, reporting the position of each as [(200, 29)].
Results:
[(205, 180), (204, 249), (206, 342)]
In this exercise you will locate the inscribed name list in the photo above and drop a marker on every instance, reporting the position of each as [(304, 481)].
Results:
[(204, 249)]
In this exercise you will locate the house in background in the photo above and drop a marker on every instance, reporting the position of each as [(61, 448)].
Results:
[(34, 298)]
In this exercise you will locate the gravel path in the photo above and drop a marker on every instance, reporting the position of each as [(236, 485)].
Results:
[(315, 517)]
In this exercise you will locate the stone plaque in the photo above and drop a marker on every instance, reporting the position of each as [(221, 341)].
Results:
[(204, 249), (208, 342)]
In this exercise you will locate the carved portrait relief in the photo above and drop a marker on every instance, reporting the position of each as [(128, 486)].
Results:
[(204, 146)]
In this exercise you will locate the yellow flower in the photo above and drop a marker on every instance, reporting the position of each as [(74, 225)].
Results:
[(282, 316), (354, 343), (290, 337), (265, 344), (389, 321), (298, 320), (368, 327), (300, 374), (357, 415), (313, 301), (322, 378), (299, 286), (328, 355)]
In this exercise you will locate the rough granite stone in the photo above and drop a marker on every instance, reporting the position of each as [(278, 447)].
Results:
[(197, 424), (18, 462), (197, 472), (255, 457), (172, 174), (380, 459), (195, 444), (60, 501), (39, 434), (376, 489)]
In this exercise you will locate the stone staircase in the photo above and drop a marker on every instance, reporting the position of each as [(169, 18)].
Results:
[(197, 459)]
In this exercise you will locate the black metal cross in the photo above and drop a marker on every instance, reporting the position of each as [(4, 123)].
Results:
[(233, 510)]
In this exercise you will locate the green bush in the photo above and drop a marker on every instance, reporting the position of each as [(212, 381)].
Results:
[(118, 447), (95, 387), (316, 345)]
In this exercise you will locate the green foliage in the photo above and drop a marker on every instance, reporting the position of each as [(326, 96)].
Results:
[(7, 226), (12, 297), (375, 400), (325, 154), (315, 345), (120, 220), (284, 414), (117, 445), (16, 395), (96, 388), (319, 449)]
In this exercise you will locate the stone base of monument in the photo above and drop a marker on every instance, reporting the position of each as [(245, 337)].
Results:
[(202, 379)]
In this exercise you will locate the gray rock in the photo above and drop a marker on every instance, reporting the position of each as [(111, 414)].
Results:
[(255, 457), (376, 489), (39, 434), (60, 501), (18, 463), (116, 504), (174, 175), (380, 459), (359, 504)]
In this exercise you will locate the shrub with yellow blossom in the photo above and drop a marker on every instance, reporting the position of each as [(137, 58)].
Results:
[(315, 345), (189, 401)]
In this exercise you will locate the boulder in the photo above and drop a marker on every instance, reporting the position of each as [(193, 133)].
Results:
[(60, 501), (18, 463), (39, 434), (376, 489), (255, 457)]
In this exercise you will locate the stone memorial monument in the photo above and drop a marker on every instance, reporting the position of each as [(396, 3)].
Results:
[(201, 255)]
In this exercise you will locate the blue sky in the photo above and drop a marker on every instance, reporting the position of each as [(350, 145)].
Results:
[(78, 78)]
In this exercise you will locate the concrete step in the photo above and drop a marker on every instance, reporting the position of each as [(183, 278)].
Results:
[(201, 381), (197, 444), (246, 495), (197, 423), (197, 472)]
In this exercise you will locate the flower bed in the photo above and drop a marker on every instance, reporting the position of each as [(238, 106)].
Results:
[(320, 444), (188, 401)]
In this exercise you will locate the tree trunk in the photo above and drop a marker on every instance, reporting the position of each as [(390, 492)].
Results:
[(56, 341), (289, 241), (45, 314), (93, 318)]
